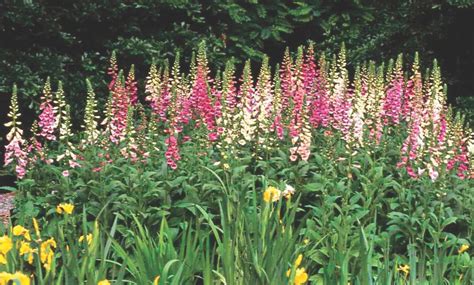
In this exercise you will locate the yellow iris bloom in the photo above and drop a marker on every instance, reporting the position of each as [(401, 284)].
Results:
[(6, 245), (66, 208), (404, 268), (88, 239), (5, 278), (3, 260), (18, 277), (47, 253), (301, 276), (25, 249), (463, 248), (271, 194), (21, 231)]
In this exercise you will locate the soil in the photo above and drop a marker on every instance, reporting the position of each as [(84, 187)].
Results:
[(6, 205)]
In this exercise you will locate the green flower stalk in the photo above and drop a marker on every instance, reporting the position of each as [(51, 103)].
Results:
[(131, 86), (153, 88), (377, 111), (14, 114), (277, 125), (228, 110), (340, 106), (113, 70), (286, 78), (437, 96), (90, 117), (176, 93), (152, 133), (59, 104), (63, 113), (264, 98), (357, 115), (66, 125), (248, 108)]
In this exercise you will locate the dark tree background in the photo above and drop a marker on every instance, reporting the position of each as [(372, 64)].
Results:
[(71, 40)]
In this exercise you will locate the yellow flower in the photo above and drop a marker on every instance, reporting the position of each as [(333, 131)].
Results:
[(47, 265), (5, 278), (301, 276), (88, 238), (35, 225), (463, 248), (306, 241), (21, 231), (21, 278), (25, 249), (404, 268), (104, 282), (47, 253), (65, 207), (157, 279), (271, 194), (298, 260), (6, 244), (3, 260)]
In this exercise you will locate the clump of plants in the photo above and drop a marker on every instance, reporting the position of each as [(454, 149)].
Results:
[(302, 173)]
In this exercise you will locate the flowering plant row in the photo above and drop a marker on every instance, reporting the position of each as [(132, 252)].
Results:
[(302, 95)]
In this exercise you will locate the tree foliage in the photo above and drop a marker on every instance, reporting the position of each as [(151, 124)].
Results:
[(67, 39)]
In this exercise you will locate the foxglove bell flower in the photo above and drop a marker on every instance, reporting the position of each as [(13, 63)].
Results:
[(14, 150)]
